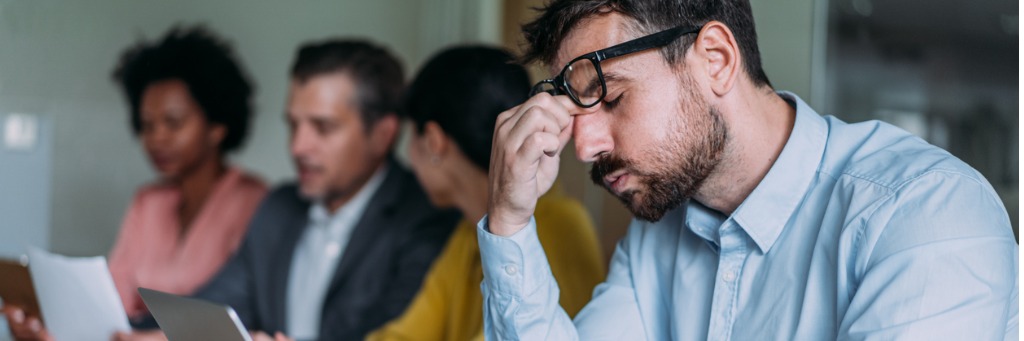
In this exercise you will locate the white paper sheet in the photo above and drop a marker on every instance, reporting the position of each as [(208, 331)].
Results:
[(77, 296)]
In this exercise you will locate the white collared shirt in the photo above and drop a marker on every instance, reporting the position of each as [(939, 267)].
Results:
[(316, 258)]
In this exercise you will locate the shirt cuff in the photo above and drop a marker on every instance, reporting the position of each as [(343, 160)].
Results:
[(515, 265)]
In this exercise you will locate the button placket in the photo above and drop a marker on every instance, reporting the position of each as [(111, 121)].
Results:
[(729, 276)]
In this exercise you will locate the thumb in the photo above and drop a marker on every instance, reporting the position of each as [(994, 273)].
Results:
[(565, 135)]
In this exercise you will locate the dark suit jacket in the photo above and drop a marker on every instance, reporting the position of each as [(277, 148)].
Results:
[(389, 252)]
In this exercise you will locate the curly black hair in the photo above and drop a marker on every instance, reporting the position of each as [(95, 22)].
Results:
[(205, 63)]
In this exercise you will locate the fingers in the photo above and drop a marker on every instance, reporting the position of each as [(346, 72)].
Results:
[(34, 324), (536, 120), (262, 336), (259, 336), (571, 108), (541, 99), (585, 111), (14, 314), (564, 136), (541, 104), (154, 335), (542, 115), (24, 327), (538, 144)]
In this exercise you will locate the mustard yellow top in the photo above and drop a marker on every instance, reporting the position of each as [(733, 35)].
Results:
[(449, 306)]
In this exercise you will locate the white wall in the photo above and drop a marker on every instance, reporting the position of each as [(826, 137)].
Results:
[(791, 37), (56, 58), (25, 153)]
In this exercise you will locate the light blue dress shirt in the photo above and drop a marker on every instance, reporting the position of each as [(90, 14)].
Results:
[(857, 232), (317, 255)]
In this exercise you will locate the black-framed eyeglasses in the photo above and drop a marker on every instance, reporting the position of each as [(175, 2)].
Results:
[(582, 78)]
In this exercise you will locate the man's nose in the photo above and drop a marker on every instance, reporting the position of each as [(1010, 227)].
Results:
[(301, 141), (593, 136)]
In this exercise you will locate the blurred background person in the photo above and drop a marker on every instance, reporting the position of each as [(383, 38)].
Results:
[(454, 103), (189, 105), (344, 249)]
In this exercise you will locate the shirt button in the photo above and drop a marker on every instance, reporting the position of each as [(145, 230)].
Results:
[(333, 249), (511, 270), (729, 276)]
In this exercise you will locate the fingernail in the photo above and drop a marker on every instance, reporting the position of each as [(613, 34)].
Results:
[(18, 316), (34, 325)]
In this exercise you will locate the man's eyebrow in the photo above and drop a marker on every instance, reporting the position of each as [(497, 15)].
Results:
[(609, 78), (612, 77)]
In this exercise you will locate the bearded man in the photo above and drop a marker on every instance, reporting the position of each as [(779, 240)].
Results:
[(756, 218)]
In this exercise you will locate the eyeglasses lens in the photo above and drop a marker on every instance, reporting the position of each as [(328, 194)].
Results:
[(582, 79)]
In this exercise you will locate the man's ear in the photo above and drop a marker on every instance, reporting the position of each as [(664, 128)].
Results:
[(719, 53), (383, 134)]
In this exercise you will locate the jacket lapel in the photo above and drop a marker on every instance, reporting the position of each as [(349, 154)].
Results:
[(295, 221), (370, 226)]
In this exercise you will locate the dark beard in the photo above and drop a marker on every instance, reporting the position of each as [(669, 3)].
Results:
[(678, 171)]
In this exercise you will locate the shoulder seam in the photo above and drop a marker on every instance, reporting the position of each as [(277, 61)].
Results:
[(899, 184), (893, 190)]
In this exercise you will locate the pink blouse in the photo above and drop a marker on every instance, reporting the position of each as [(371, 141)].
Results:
[(151, 252)]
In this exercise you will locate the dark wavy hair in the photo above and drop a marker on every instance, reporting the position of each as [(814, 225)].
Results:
[(545, 34), (464, 89), (376, 73), (205, 63)]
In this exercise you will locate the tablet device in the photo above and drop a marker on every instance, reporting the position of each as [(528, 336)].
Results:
[(16, 287), (186, 319)]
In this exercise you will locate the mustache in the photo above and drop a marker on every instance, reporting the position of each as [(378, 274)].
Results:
[(605, 165), (305, 163)]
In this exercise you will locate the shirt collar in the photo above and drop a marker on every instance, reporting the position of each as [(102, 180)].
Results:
[(765, 212), (319, 216)]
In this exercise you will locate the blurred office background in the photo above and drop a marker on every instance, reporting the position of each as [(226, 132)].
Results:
[(944, 70), (69, 191)]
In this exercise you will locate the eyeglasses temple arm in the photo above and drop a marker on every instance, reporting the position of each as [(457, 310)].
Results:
[(655, 40)]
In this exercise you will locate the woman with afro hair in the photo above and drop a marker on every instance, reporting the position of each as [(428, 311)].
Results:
[(189, 105)]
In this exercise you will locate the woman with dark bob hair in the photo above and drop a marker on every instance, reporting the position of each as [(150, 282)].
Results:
[(189, 104), (453, 104)]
